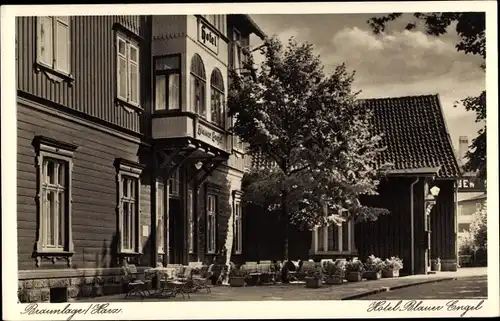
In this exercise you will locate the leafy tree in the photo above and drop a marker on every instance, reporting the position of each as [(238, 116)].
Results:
[(316, 143), (471, 30), (476, 239)]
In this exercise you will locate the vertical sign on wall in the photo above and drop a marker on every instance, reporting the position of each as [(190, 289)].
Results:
[(208, 37)]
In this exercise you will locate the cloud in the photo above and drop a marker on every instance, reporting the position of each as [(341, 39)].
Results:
[(399, 57), (407, 63)]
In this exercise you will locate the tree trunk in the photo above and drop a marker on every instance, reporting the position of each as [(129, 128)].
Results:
[(284, 222)]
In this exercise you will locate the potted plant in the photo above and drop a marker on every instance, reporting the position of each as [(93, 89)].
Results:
[(436, 265), (374, 266), (335, 272), (237, 277), (392, 267), (314, 278), (354, 270)]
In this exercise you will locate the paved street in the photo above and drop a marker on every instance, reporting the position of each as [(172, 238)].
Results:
[(464, 288)]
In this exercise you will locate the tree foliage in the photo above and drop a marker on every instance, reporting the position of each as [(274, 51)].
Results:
[(471, 30), (308, 125)]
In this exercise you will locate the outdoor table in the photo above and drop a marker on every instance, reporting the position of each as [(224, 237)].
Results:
[(161, 283)]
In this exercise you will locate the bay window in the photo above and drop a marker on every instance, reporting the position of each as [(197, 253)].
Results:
[(167, 82), (198, 84), (217, 102)]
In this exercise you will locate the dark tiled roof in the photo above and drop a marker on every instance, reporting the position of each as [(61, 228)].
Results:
[(415, 133)]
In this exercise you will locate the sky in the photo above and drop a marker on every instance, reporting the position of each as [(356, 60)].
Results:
[(397, 63)]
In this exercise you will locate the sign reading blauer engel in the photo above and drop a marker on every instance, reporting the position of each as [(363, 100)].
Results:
[(210, 136), (208, 37)]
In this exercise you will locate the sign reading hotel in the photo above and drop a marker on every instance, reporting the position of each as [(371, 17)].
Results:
[(210, 136), (470, 184), (208, 37)]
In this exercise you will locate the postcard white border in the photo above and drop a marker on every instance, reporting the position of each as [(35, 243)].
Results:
[(224, 310)]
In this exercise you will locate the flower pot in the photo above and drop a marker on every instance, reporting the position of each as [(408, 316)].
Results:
[(313, 283), (372, 275), (390, 273), (237, 281), (435, 266), (354, 276), (334, 279)]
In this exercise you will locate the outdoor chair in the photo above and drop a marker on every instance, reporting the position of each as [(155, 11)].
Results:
[(253, 271), (268, 274), (181, 283), (204, 279), (134, 283)]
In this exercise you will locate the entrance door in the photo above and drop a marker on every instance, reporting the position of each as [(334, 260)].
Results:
[(176, 231)]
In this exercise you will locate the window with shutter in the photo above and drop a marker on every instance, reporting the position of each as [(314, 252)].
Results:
[(54, 46), (127, 70)]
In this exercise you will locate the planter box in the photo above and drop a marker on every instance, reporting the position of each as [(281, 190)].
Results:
[(313, 283), (372, 275), (334, 279), (449, 265), (354, 276), (390, 273), (237, 281)]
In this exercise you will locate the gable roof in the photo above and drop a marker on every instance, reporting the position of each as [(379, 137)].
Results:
[(415, 133)]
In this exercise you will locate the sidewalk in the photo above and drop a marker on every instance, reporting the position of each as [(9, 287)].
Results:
[(348, 291)]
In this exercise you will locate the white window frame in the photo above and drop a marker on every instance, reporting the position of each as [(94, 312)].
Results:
[(237, 51), (129, 44), (168, 72), (56, 44), (174, 183), (351, 248), (221, 107), (62, 153), (211, 216), (160, 217), (127, 170), (238, 228), (191, 225)]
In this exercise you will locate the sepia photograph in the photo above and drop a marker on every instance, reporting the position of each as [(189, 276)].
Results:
[(193, 154)]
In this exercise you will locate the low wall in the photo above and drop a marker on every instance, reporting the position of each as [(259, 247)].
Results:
[(36, 285)]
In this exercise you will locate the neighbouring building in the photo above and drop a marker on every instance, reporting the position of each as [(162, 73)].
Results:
[(471, 191), (421, 225), (124, 152)]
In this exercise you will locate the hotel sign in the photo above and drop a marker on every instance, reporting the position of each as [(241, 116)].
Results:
[(207, 37), (470, 184), (210, 136)]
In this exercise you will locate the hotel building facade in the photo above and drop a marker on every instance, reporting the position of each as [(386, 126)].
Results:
[(124, 151)]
